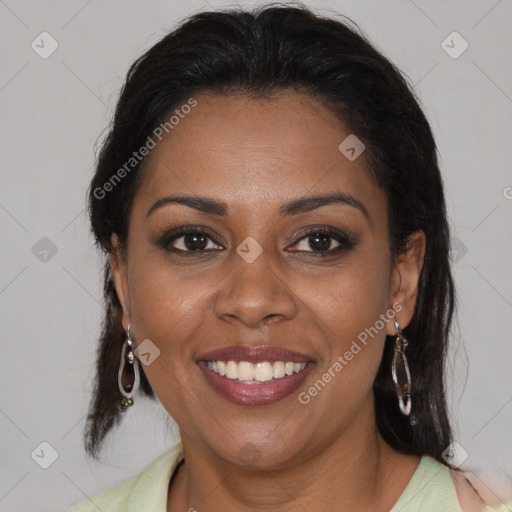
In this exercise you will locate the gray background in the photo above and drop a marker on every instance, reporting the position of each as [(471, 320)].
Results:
[(53, 111)]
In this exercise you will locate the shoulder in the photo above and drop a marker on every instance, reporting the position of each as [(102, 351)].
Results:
[(434, 486), (474, 495), (148, 488), (109, 499)]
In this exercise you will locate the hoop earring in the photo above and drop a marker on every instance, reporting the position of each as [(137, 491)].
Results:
[(403, 390), (128, 361)]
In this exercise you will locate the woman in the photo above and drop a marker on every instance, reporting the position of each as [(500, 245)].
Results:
[(278, 274)]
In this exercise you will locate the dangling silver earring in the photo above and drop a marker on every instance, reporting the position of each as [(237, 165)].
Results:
[(403, 390), (128, 362)]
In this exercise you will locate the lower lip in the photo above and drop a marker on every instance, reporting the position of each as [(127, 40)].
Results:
[(265, 393)]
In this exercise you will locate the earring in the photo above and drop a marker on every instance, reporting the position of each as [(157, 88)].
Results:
[(403, 390), (128, 362)]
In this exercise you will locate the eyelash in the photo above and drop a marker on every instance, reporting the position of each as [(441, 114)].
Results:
[(345, 241)]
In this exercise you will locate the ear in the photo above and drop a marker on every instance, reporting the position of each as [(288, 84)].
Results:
[(119, 269), (404, 280)]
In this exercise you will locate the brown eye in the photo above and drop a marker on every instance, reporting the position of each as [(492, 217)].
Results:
[(324, 241), (318, 242), (197, 242), (189, 240)]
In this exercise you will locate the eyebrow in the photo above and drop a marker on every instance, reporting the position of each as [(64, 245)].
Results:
[(293, 207)]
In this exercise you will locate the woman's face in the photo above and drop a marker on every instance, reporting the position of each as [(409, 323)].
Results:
[(249, 278)]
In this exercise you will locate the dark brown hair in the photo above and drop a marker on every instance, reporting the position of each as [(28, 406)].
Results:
[(259, 53)]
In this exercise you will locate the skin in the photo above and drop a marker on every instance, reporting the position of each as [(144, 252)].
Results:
[(255, 155)]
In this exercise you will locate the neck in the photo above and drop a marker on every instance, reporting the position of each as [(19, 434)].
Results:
[(357, 471)]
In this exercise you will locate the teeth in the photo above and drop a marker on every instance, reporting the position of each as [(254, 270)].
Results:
[(278, 370), (245, 370), (252, 373), (231, 370), (263, 372)]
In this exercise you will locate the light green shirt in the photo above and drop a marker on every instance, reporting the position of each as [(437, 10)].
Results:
[(430, 489)]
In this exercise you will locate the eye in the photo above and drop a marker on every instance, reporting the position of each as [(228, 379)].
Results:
[(196, 241), (188, 239), (324, 241)]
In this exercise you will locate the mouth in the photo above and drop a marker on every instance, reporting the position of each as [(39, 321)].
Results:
[(246, 372), (255, 375)]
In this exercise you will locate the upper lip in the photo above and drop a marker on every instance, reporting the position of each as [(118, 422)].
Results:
[(254, 354)]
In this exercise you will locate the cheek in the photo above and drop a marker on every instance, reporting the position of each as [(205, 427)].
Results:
[(167, 313), (163, 296), (352, 299), (353, 319), (169, 306)]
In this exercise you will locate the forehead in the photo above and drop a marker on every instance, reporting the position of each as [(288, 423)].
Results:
[(248, 151)]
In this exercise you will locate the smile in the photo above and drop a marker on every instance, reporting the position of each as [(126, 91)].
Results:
[(247, 372), (254, 375)]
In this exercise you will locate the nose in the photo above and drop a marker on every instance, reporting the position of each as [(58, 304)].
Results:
[(254, 294)]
